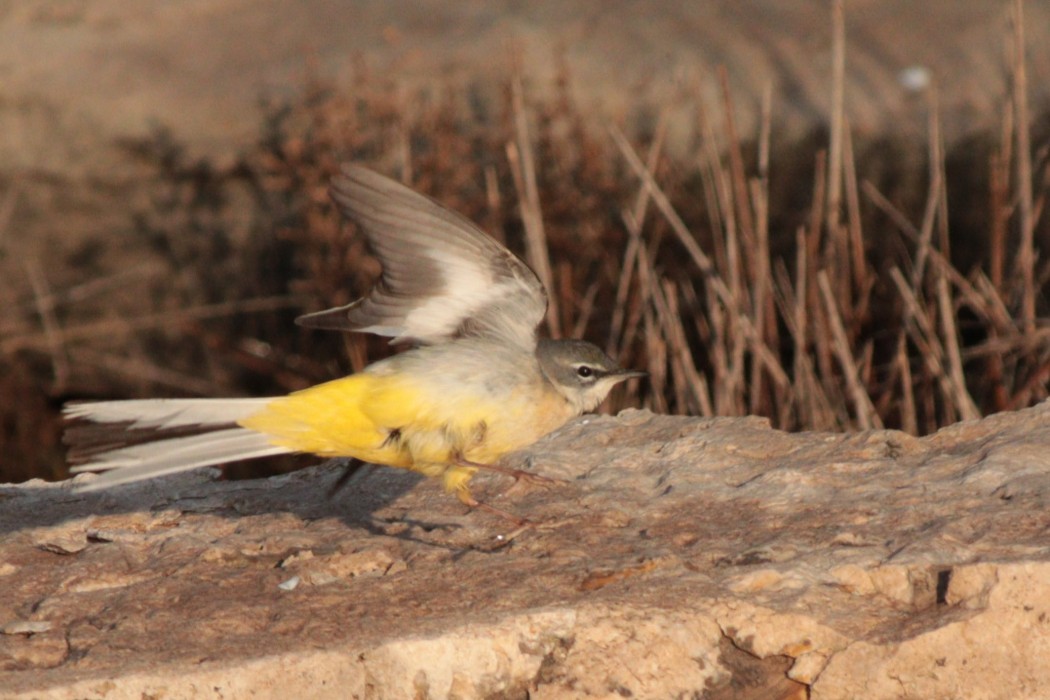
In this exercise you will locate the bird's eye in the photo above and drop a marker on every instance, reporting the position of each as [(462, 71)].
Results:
[(584, 371)]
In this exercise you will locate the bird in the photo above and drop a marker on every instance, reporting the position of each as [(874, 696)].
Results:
[(476, 382)]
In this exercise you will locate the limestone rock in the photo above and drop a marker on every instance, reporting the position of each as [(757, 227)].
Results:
[(683, 558)]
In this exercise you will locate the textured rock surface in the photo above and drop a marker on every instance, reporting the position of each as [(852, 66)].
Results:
[(683, 556)]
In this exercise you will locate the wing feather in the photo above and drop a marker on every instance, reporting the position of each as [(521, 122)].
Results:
[(442, 276)]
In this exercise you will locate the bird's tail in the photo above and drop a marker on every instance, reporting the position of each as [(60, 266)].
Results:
[(141, 439)]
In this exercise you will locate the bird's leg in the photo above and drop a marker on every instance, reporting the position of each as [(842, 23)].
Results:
[(517, 474), (351, 468)]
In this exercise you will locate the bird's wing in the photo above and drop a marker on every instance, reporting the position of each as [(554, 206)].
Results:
[(442, 276)]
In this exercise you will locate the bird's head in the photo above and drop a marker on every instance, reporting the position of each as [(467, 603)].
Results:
[(580, 371)]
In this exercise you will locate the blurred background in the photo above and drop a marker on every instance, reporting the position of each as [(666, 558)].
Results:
[(828, 213)]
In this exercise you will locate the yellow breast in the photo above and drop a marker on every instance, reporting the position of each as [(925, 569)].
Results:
[(400, 421)]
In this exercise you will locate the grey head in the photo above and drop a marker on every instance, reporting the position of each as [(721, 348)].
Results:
[(580, 371)]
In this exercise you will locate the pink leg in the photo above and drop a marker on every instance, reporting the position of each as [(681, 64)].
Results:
[(516, 474)]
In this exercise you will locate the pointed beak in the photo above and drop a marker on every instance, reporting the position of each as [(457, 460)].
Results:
[(625, 374)]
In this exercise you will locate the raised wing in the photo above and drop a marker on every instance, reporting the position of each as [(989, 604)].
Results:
[(442, 276)]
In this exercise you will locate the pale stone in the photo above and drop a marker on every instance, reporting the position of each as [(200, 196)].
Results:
[(1000, 652), (969, 585), (807, 667), (61, 539), (25, 627)]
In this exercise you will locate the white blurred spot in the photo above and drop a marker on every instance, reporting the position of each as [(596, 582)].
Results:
[(915, 78), (289, 585), (26, 627)]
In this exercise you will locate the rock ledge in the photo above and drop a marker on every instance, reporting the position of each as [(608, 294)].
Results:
[(715, 558)]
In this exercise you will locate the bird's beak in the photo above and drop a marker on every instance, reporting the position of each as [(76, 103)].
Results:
[(625, 374)]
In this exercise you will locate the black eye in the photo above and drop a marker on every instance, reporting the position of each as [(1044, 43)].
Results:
[(584, 371)]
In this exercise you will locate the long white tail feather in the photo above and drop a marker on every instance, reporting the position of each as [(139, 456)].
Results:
[(166, 413), (146, 461)]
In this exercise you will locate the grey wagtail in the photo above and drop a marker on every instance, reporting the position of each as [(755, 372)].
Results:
[(476, 385)]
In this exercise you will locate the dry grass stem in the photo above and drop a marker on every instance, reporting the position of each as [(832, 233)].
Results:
[(105, 328), (1026, 222), (523, 167), (53, 335), (139, 370), (908, 417), (838, 89), (963, 402), (864, 410)]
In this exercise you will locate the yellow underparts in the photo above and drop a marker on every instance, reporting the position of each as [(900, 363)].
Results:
[(385, 420)]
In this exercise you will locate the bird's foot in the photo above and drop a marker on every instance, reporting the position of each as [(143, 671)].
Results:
[(519, 475)]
